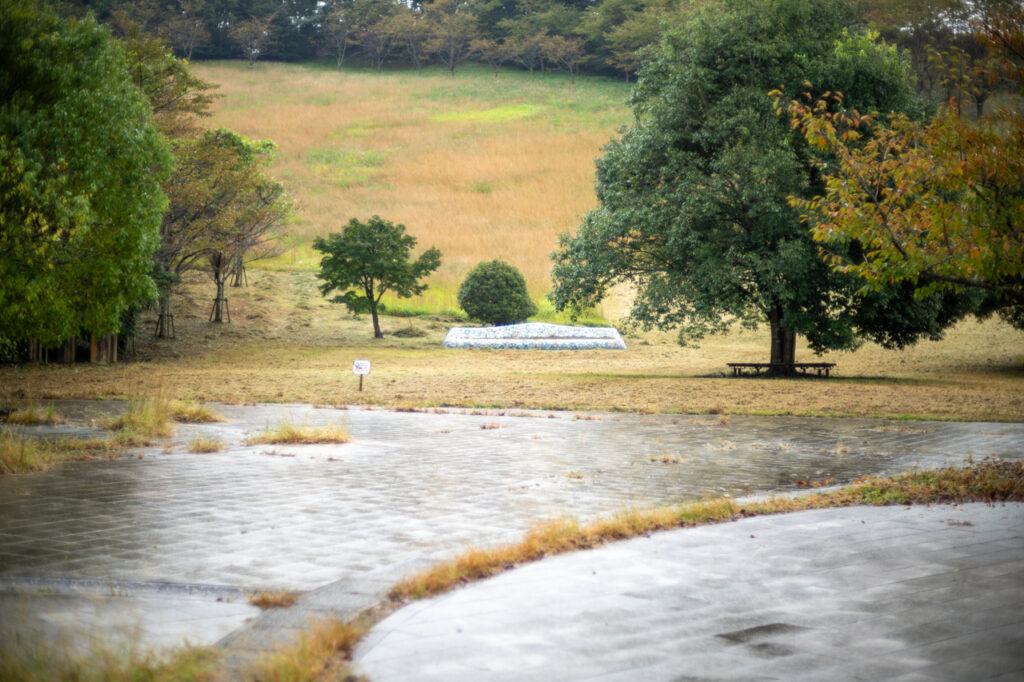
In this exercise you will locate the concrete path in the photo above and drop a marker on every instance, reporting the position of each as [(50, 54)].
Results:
[(126, 542), (848, 594)]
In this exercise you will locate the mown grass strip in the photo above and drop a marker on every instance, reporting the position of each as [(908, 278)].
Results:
[(988, 481)]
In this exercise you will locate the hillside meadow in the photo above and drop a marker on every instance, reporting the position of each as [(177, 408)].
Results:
[(480, 166)]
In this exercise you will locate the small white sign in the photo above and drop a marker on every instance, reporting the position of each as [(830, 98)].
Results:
[(361, 367)]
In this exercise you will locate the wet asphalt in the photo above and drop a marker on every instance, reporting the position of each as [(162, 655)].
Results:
[(165, 546)]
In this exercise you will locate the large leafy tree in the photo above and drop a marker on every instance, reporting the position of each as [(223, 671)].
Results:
[(937, 204), (369, 259), (694, 211), (80, 171)]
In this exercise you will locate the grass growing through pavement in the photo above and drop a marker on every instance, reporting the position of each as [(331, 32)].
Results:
[(188, 412), (28, 664), (20, 453), (290, 434), (281, 599), (320, 654), (30, 416), (201, 445), (143, 421)]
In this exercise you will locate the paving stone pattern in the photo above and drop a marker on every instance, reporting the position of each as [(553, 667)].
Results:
[(344, 521), (905, 594)]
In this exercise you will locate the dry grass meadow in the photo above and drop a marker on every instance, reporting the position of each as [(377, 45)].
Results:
[(482, 167), (288, 344)]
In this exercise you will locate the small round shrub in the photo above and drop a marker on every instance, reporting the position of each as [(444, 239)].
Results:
[(495, 292)]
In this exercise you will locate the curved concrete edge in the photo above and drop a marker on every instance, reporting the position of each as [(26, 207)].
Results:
[(856, 593)]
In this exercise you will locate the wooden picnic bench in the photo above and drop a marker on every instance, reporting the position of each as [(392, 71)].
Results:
[(758, 368)]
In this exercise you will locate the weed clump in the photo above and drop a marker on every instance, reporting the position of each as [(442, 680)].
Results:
[(320, 653), (142, 422), (200, 445), (30, 416), (274, 600), (188, 412), (289, 434), (19, 453)]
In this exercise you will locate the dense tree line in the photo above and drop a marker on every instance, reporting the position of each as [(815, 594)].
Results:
[(598, 36), (109, 188)]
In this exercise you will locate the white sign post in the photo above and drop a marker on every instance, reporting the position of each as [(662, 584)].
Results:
[(362, 368)]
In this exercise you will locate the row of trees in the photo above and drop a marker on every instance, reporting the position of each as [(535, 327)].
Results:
[(707, 201), (602, 36), (109, 188)]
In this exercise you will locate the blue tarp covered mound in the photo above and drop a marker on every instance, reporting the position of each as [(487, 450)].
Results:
[(535, 336)]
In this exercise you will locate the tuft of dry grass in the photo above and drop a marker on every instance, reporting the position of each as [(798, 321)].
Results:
[(30, 416), (19, 453), (201, 445), (290, 434), (188, 412), (986, 481), (37, 664), (281, 599), (142, 421), (320, 654), (22, 453)]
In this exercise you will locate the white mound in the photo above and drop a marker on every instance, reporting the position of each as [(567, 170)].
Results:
[(535, 336)]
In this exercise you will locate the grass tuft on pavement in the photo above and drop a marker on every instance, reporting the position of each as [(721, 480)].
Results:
[(290, 434)]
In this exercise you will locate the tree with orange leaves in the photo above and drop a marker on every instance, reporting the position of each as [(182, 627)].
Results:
[(939, 204)]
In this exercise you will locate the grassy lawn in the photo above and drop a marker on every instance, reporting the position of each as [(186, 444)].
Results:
[(288, 344)]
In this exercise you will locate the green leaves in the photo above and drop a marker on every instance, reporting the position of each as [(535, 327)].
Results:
[(80, 167), (495, 292), (369, 259), (694, 211)]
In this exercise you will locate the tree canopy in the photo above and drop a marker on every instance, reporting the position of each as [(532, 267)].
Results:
[(495, 292), (367, 260), (80, 171), (694, 211), (938, 204)]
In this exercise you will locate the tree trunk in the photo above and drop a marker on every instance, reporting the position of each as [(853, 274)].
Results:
[(377, 333), (164, 319), (220, 271), (219, 303), (783, 352)]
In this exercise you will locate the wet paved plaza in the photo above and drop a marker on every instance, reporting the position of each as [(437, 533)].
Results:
[(127, 542)]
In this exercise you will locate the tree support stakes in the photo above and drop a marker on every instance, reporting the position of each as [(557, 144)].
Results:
[(220, 305)]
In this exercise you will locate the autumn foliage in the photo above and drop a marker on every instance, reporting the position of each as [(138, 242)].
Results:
[(939, 203)]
